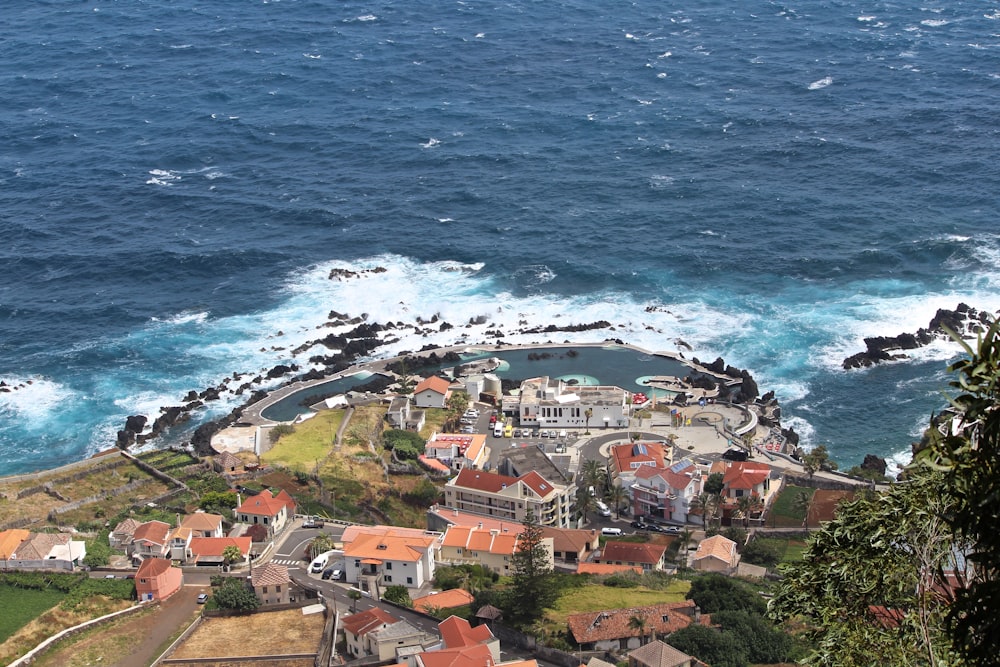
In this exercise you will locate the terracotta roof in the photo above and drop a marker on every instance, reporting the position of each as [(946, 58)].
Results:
[(491, 482), (563, 539), (365, 621), (520, 663), (465, 656), (150, 568), (154, 532), (659, 654), (38, 545), (126, 527), (388, 547), (635, 456), (352, 533), (716, 546), (433, 463), (435, 383), (481, 539), (269, 574), (605, 568), (664, 619), (537, 483), (457, 632), (202, 521), (214, 546), (267, 504), (10, 540), (746, 475), (228, 460), (456, 597), (632, 552)]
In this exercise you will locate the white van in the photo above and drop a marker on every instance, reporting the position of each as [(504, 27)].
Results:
[(317, 565), (603, 509), (611, 531), (498, 430)]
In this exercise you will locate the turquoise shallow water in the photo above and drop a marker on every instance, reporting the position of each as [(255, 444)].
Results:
[(762, 182)]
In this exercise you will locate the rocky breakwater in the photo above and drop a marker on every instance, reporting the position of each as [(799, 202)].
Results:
[(965, 321)]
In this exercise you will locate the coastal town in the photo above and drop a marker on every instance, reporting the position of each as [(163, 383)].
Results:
[(395, 526)]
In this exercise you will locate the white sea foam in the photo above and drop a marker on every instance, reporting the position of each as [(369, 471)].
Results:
[(34, 398), (367, 17), (821, 83), (934, 23), (313, 56), (866, 18), (163, 177), (431, 143), (659, 181)]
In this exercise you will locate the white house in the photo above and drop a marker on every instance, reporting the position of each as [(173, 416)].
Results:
[(432, 393), (550, 403)]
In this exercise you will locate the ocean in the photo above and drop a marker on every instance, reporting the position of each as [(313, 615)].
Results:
[(767, 182)]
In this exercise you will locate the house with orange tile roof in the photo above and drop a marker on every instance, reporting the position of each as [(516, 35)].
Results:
[(450, 599), (199, 524), (380, 556), (745, 478), (569, 545), (10, 540), (458, 633), (665, 493), (647, 556), (625, 459), (510, 498), (463, 656), (268, 509), (432, 392), (606, 568), (358, 626), (271, 584), (121, 536), (150, 540), (157, 579), (491, 548), (209, 550), (611, 630), (716, 554), (457, 450)]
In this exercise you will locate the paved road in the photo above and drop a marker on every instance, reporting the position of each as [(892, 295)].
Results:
[(153, 631)]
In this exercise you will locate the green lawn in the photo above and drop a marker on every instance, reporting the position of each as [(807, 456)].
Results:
[(783, 513), (309, 444), (595, 597), (22, 605)]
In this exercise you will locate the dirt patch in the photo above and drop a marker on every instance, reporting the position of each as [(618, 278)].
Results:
[(265, 633), (824, 504)]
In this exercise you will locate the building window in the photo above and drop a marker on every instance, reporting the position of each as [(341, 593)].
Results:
[(277, 589), (388, 578), (409, 580), (388, 566), (264, 590)]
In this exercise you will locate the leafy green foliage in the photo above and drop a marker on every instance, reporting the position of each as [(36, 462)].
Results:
[(467, 576), (876, 560), (818, 458), (762, 643), (406, 444), (318, 545), (967, 449), (424, 494), (709, 645), (761, 552), (621, 581), (116, 589), (98, 551), (22, 605), (714, 483), (398, 594), (208, 481), (534, 587), (279, 431), (715, 592), (218, 502), (234, 594)]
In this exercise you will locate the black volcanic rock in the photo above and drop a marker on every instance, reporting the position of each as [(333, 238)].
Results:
[(964, 320), (135, 423), (876, 463)]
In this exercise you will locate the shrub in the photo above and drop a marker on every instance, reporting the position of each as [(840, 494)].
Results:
[(398, 594), (280, 430), (761, 552), (715, 592)]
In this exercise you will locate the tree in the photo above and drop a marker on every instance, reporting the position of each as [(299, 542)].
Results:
[(715, 592), (318, 545), (279, 432), (231, 554), (638, 622), (98, 551), (818, 458), (868, 585), (398, 594), (585, 502), (234, 594), (761, 552), (965, 445), (355, 595), (216, 502), (714, 484), (588, 413), (533, 587), (801, 503), (595, 475), (615, 496), (458, 401), (709, 645), (762, 643)]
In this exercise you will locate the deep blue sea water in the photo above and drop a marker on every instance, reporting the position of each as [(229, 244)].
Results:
[(780, 179)]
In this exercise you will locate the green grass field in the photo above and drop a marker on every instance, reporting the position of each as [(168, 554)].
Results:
[(595, 597), (22, 605), (784, 513), (309, 444)]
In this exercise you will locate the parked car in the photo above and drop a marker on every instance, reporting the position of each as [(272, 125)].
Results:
[(638, 525), (203, 598), (328, 572), (671, 529)]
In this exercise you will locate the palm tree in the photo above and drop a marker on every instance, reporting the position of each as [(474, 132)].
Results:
[(615, 496), (684, 538), (230, 555), (743, 505), (319, 544), (355, 595), (756, 504), (594, 475), (638, 623), (801, 503), (588, 413), (585, 502)]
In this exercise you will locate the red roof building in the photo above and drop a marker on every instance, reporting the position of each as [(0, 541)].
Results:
[(432, 392), (509, 498), (157, 580), (271, 510), (646, 556)]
